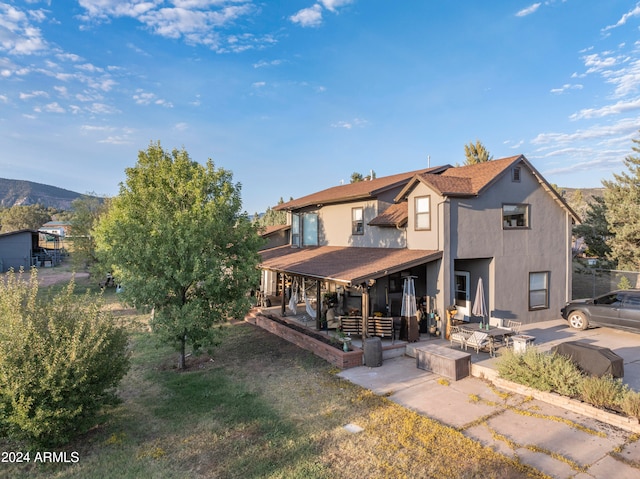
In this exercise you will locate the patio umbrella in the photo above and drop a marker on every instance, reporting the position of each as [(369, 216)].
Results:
[(479, 305)]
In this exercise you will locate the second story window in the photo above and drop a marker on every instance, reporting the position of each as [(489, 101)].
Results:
[(515, 216), (423, 213), (304, 229), (357, 221), (295, 230), (310, 229)]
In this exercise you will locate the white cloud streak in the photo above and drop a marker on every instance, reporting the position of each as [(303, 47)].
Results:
[(529, 10), (634, 12)]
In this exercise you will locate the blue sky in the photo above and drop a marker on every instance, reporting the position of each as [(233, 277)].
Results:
[(295, 96)]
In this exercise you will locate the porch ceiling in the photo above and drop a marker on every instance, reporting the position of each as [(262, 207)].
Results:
[(347, 265)]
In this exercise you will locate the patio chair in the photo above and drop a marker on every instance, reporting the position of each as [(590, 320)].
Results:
[(514, 326), (458, 335), (479, 340)]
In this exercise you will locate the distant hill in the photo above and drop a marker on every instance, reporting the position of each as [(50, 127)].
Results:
[(22, 193)]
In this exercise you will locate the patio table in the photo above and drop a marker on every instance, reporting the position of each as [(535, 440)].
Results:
[(493, 332)]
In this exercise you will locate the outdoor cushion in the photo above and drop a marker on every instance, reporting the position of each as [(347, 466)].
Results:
[(478, 340)]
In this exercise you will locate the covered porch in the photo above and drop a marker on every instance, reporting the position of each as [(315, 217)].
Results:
[(325, 288)]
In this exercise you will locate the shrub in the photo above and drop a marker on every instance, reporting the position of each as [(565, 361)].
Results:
[(60, 361), (542, 371), (630, 404), (605, 392)]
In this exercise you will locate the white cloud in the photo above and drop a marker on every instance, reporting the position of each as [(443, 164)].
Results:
[(312, 16), (308, 17), (33, 94), (331, 5), (54, 108), (565, 87), (529, 10), (182, 126), (197, 22), (621, 129), (146, 98), (102, 109), (635, 12), (348, 125), (264, 63), (615, 109), (18, 36)]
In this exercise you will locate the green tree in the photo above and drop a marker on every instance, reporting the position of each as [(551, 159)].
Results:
[(272, 217), (356, 177), (476, 153), (30, 217), (61, 360), (179, 244), (622, 199), (595, 228), (86, 211)]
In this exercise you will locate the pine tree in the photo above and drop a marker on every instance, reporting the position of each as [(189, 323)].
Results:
[(622, 198), (476, 153)]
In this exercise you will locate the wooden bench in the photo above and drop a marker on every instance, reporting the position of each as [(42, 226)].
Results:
[(351, 325), (443, 361), (381, 327)]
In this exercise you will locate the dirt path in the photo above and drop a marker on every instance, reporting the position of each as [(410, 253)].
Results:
[(49, 276)]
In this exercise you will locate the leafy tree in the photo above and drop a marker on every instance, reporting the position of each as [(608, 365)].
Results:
[(595, 228), (476, 153), (86, 211), (30, 217), (60, 361), (622, 199), (179, 244)]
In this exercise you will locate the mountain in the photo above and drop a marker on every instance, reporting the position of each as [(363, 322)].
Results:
[(22, 193)]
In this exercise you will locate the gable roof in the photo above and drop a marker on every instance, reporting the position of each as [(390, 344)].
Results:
[(473, 180), (353, 191), (469, 180)]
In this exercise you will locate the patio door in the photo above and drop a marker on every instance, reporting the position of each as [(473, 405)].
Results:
[(462, 295)]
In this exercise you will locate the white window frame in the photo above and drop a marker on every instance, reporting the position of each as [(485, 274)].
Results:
[(420, 213), (357, 221), (539, 285)]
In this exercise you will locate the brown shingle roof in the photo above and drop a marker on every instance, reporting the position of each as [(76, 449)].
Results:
[(352, 191), (395, 215), (271, 229), (346, 265), (480, 175)]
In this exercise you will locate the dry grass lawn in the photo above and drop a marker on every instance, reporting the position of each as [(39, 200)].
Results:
[(259, 407)]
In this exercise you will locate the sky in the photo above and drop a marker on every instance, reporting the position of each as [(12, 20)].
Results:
[(294, 96)]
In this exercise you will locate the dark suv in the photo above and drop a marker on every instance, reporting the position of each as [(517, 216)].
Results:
[(618, 309)]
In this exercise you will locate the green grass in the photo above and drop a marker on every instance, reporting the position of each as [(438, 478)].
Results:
[(259, 407)]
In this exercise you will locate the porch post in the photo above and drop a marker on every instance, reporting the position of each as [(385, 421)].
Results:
[(318, 306), (283, 306), (365, 311)]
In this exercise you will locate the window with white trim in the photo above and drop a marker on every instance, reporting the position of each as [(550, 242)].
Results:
[(539, 290), (357, 221), (422, 213)]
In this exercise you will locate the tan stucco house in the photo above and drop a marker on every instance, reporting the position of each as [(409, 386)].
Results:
[(445, 226)]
